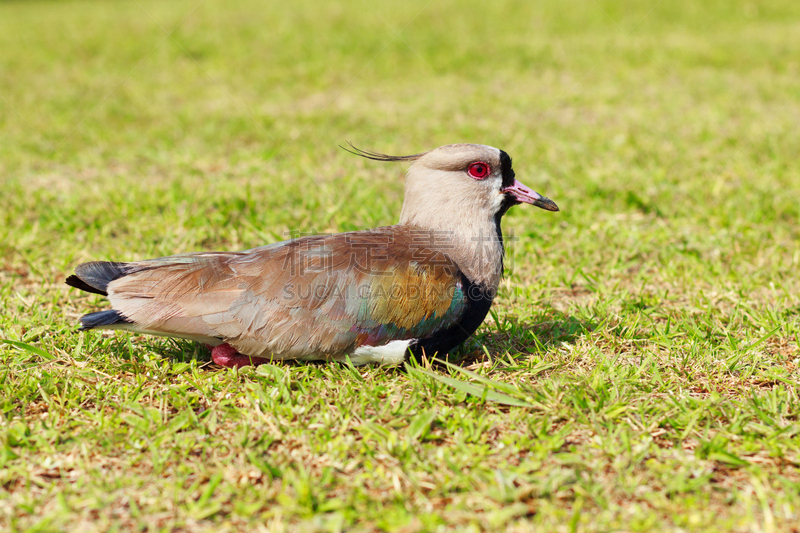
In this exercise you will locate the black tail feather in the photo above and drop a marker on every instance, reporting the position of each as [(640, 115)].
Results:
[(102, 318), (78, 283), (94, 277)]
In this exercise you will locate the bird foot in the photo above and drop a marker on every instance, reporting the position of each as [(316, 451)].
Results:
[(227, 356)]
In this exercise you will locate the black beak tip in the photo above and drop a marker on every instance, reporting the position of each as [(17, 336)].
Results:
[(547, 204)]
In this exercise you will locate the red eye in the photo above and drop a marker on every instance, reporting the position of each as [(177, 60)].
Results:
[(478, 170)]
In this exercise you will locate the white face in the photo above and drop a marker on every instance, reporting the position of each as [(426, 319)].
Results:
[(453, 186), (490, 180), (465, 180)]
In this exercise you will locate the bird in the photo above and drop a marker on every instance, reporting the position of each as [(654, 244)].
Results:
[(379, 296)]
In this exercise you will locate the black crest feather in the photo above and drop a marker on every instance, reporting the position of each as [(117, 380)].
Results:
[(375, 156)]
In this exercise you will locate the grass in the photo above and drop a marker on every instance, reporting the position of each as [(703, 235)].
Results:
[(649, 331)]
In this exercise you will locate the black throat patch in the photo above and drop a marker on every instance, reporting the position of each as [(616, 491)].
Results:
[(508, 172)]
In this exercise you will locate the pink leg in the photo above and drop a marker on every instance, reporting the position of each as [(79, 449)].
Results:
[(227, 356)]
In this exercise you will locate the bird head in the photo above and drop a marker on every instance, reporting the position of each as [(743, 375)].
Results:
[(460, 180)]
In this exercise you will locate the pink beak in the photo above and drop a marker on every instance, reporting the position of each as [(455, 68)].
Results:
[(528, 196)]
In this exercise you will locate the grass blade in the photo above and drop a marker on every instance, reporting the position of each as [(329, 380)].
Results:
[(479, 391), (762, 340), (28, 348)]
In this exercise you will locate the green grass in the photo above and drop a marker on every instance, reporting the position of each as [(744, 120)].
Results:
[(649, 330)]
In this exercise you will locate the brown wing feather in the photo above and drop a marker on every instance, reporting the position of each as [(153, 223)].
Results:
[(310, 297)]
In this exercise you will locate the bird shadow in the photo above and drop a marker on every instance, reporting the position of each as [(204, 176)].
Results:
[(512, 338)]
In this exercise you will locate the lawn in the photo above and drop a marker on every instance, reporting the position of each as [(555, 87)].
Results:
[(646, 335)]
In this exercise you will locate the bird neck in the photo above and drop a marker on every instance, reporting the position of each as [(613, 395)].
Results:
[(474, 242)]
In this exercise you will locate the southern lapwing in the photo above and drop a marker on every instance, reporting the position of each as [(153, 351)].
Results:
[(420, 287)]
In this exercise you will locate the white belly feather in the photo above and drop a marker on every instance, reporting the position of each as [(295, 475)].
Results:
[(392, 354)]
